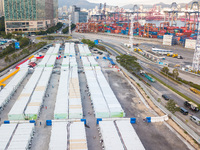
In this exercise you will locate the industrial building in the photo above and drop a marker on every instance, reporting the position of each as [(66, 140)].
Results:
[(30, 16)]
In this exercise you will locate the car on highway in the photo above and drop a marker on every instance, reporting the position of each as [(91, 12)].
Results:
[(195, 120), (183, 111), (165, 97)]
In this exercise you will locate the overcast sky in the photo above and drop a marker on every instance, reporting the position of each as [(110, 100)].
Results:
[(147, 2)]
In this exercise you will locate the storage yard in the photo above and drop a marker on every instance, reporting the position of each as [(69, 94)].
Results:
[(57, 105)]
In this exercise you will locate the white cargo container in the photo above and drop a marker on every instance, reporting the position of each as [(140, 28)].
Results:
[(44, 61), (60, 136), (61, 105), (189, 43), (111, 139), (17, 111), (6, 132), (167, 40), (51, 61), (7, 92), (16, 136), (119, 135), (22, 137), (33, 109), (58, 140), (77, 136)]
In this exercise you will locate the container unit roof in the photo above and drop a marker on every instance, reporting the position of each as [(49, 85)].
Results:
[(61, 105), (86, 49), (73, 62), (113, 104), (6, 132), (44, 61), (7, 92), (75, 106), (50, 51), (16, 113), (21, 137), (92, 61), (33, 107), (58, 140), (85, 61), (56, 49), (72, 49), (97, 97), (129, 136), (65, 62), (77, 136), (111, 139), (81, 49), (67, 49), (51, 61)]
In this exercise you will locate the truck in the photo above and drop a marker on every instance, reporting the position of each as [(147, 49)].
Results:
[(147, 76), (191, 106)]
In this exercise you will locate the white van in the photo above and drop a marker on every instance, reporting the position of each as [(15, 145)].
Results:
[(195, 120)]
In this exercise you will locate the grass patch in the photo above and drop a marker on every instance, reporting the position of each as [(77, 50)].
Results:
[(176, 91)]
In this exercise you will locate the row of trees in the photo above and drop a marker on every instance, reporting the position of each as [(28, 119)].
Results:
[(16, 56), (174, 73), (66, 30), (11, 48), (51, 29), (129, 62)]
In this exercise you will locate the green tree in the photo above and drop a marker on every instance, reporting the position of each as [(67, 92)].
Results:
[(14, 56), (165, 70), (7, 59), (175, 73), (171, 106)]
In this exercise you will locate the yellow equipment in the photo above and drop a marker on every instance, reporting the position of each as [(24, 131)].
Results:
[(175, 55), (195, 90), (168, 54)]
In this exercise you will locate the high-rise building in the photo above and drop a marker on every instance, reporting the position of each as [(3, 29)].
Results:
[(78, 15), (30, 15), (1, 8)]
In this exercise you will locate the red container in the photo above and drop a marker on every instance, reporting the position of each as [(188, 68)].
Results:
[(154, 36)]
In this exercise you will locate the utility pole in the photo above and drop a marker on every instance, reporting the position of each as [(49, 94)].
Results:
[(131, 32), (70, 32), (196, 58)]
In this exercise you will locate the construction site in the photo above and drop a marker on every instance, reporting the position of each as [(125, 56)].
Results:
[(76, 99)]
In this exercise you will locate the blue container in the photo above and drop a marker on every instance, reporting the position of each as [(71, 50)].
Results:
[(49, 122), (80, 57), (64, 56), (160, 37), (99, 119), (148, 119), (83, 120), (97, 57), (6, 122), (133, 120), (154, 33), (32, 121)]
